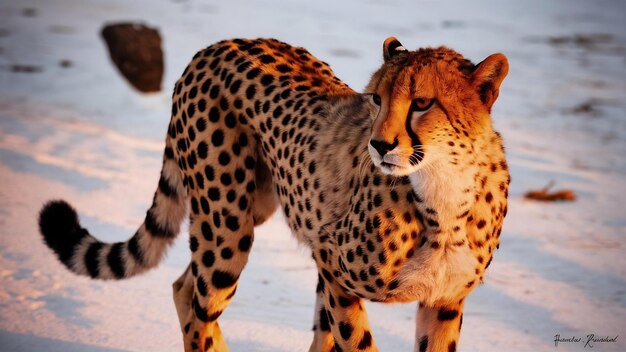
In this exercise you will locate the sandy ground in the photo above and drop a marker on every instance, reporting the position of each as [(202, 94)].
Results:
[(82, 133)]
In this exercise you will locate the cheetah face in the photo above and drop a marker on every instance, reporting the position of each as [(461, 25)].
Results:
[(394, 158), (429, 100)]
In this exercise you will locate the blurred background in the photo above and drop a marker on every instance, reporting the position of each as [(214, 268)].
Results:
[(72, 127)]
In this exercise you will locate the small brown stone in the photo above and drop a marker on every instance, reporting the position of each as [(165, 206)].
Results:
[(136, 51)]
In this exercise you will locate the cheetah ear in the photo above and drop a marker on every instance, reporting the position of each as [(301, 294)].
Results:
[(392, 47), (488, 76)]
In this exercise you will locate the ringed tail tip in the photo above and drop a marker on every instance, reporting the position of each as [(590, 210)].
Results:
[(58, 223)]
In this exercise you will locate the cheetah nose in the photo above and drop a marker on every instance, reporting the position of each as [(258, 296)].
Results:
[(383, 147)]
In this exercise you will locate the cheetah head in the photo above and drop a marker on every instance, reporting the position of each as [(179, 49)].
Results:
[(428, 100)]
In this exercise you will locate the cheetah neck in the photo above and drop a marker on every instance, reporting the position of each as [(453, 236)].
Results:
[(445, 192), (449, 190)]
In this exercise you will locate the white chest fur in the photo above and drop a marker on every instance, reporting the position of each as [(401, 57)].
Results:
[(439, 274)]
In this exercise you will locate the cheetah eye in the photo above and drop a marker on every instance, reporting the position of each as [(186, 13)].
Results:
[(376, 99), (421, 104)]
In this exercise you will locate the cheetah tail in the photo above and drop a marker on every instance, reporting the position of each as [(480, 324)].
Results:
[(84, 254)]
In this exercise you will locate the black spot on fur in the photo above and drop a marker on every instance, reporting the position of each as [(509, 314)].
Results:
[(488, 262), (324, 323), (208, 258), (345, 329), (200, 312), (227, 253), (215, 315), (214, 114), (240, 175), (284, 68), (223, 158), (193, 243), (249, 162), (245, 242), (254, 73), (250, 91), (217, 139), (266, 80), (243, 203), (345, 302), (207, 233), (214, 193), (366, 341), (208, 343), (222, 279), (327, 275), (201, 286), (203, 150), (201, 124), (452, 346), (194, 268), (267, 59)]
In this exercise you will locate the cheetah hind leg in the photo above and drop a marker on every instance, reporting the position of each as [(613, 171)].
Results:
[(183, 292), (322, 337), (222, 236), (224, 239), (183, 289)]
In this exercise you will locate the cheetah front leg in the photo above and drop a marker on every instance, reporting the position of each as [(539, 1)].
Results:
[(438, 328), (346, 316)]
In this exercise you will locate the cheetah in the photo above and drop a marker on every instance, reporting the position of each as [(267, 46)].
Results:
[(400, 192)]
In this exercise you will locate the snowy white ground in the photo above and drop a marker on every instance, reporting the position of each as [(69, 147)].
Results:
[(83, 134)]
